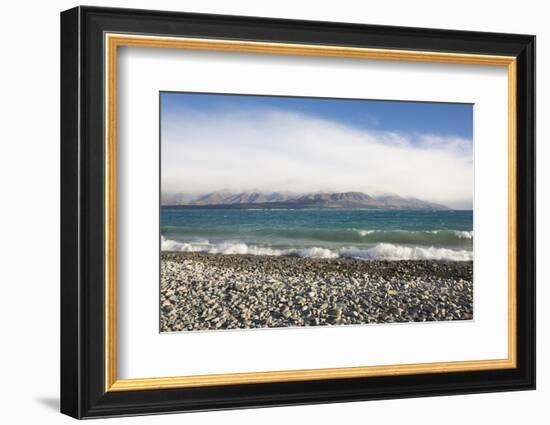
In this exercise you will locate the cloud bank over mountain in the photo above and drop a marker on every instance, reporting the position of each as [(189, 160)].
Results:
[(273, 150)]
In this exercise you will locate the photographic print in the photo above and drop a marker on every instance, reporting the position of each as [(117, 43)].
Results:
[(300, 211)]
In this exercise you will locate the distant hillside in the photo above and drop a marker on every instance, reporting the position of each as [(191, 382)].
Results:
[(285, 200), (340, 200), (250, 197)]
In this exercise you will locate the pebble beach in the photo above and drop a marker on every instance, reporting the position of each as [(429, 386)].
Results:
[(202, 291)]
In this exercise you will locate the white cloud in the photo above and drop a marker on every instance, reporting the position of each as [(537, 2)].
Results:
[(277, 150)]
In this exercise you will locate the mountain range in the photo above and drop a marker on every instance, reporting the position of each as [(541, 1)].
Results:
[(287, 200)]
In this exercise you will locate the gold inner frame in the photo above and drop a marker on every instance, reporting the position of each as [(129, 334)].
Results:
[(113, 41)]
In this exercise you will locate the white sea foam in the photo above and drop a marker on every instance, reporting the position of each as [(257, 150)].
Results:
[(316, 252), (387, 251), (365, 232), (170, 245), (381, 251), (460, 234), (464, 234), (222, 248), (242, 248)]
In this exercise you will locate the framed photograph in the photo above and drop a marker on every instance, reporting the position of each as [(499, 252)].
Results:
[(261, 212)]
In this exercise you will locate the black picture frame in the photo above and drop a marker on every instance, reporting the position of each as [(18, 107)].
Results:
[(83, 392)]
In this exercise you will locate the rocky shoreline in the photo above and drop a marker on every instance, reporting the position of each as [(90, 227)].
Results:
[(212, 291)]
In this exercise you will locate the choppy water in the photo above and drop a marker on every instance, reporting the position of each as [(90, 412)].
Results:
[(391, 235)]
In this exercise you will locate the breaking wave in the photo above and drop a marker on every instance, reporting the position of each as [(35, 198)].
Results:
[(387, 251), (380, 251), (422, 237)]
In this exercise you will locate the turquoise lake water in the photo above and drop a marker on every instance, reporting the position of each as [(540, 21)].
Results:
[(374, 234)]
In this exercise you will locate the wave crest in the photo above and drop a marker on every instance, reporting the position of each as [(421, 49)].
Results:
[(387, 251), (316, 252), (464, 234), (381, 251), (423, 237)]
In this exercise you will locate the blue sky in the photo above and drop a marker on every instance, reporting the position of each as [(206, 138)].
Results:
[(240, 142), (445, 119)]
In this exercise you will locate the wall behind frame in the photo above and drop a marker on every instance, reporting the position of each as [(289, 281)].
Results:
[(29, 219)]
